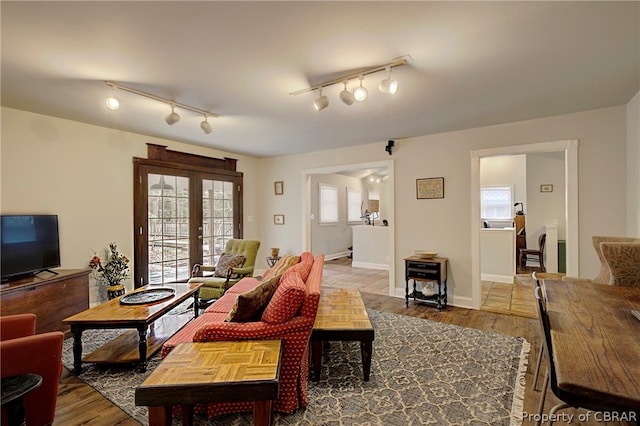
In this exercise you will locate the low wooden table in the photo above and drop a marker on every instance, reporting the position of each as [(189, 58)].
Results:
[(192, 373), (133, 346), (342, 317), (14, 388)]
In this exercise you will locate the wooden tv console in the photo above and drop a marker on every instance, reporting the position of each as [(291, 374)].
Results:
[(51, 297)]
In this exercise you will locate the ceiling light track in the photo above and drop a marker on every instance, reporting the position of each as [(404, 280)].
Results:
[(402, 60), (173, 117)]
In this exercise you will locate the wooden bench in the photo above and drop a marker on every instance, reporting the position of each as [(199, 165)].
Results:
[(342, 317)]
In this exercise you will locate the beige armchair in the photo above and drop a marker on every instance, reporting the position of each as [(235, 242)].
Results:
[(604, 276), (215, 286), (623, 260)]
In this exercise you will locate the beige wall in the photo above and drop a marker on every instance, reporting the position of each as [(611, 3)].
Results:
[(84, 174), (443, 225)]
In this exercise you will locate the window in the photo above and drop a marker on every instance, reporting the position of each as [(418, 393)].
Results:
[(354, 204), (496, 202), (328, 205)]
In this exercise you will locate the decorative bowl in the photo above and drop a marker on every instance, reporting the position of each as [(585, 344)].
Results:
[(426, 254)]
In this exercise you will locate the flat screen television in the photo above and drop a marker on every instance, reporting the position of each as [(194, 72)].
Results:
[(30, 244)]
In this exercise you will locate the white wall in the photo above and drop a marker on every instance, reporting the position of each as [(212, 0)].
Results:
[(443, 224), (333, 238), (84, 174), (506, 170), (545, 207)]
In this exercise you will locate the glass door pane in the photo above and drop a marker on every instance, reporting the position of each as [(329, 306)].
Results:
[(217, 218), (168, 228)]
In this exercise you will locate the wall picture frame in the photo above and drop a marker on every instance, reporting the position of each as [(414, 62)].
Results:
[(278, 219), (278, 187), (429, 188), (546, 188)]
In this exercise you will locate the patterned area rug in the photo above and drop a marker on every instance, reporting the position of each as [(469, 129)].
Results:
[(422, 372)]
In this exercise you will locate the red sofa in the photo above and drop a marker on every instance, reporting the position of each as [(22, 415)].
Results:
[(284, 318), (21, 352)]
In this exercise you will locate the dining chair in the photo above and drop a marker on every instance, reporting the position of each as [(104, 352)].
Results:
[(536, 283), (534, 254)]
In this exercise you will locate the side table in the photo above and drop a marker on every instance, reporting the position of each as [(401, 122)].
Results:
[(426, 269), (14, 388), (272, 260), (247, 370)]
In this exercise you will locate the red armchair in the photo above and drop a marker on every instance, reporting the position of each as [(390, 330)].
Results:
[(22, 351)]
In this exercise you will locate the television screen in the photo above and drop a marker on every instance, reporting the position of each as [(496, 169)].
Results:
[(29, 244)]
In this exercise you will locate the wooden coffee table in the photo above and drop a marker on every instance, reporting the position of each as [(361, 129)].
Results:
[(134, 345), (224, 371), (342, 317)]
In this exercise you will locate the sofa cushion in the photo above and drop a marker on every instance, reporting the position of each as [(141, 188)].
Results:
[(226, 261), (281, 266), (250, 305), (286, 300)]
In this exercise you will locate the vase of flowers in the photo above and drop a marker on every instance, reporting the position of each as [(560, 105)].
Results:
[(113, 272)]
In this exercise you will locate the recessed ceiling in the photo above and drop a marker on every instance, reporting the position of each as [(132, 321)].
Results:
[(473, 64)]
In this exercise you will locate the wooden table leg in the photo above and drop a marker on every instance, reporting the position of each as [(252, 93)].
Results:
[(316, 356), (142, 348), (187, 415), (366, 348), (77, 348), (262, 413), (159, 415)]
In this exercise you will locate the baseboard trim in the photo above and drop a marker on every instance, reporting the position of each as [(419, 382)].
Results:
[(507, 279), (380, 266)]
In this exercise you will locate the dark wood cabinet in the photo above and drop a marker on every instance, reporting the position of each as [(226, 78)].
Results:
[(426, 270), (50, 297)]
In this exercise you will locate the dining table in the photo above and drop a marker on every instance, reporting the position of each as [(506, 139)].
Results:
[(595, 340)]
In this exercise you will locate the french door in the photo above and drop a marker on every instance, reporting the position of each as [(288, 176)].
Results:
[(182, 217)]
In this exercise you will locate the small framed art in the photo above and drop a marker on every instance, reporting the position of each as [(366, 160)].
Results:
[(546, 188), (278, 219), (278, 187), (427, 188)]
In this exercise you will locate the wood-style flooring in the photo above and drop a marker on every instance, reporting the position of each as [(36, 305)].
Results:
[(79, 404)]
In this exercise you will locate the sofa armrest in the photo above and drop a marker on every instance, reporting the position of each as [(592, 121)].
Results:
[(258, 330), (198, 269), (14, 326), (245, 270)]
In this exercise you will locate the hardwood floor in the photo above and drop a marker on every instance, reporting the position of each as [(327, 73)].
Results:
[(79, 404)]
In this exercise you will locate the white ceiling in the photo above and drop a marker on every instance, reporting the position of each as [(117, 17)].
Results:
[(473, 64)]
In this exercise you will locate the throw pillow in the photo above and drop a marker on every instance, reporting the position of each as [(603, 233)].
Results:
[(281, 266), (287, 299), (250, 304), (226, 261)]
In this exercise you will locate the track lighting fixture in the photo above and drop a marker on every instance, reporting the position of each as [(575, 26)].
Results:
[(388, 85), (360, 93), (346, 96), (173, 117), (322, 102), (206, 127), (113, 103)]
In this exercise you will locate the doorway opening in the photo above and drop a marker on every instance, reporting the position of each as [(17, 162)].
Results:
[(570, 150), (352, 169)]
